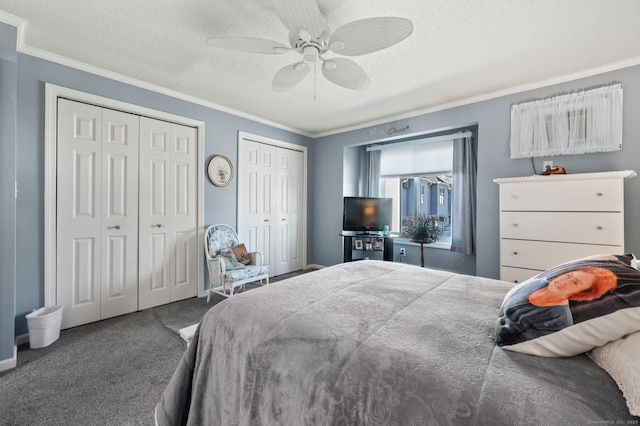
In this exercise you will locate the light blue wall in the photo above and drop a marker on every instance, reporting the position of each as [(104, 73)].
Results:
[(326, 169), (493, 120), (221, 133), (8, 85)]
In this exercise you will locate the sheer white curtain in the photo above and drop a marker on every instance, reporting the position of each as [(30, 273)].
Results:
[(575, 123)]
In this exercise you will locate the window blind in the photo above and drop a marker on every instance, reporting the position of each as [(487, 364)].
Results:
[(436, 157)]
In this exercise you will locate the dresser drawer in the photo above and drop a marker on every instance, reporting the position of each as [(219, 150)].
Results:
[(574, 227), (575, 195), (517, 275), (542, 255)]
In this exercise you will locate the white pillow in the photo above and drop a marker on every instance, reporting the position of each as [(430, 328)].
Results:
[(621, 359)]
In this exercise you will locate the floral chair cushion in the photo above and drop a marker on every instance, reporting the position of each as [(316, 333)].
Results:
[(244, 273)]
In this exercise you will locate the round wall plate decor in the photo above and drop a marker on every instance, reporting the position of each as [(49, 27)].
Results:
[(220, 170)]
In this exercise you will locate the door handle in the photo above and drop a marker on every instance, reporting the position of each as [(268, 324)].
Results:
[(114, 227), (158, 225)]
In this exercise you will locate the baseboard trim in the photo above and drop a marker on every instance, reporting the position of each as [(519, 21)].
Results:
[(313, 266), (8, 364), (22, 339)]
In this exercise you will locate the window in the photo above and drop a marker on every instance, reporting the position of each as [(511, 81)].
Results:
[(429, 194), (420, 176), (417, 175)]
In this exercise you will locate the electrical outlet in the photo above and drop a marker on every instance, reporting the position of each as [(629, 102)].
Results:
[(403, 252), (547, 165)]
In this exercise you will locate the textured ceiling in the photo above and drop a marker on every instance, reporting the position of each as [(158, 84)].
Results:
[(459, 51)]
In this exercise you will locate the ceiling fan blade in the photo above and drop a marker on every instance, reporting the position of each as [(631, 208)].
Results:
[(249, 44), (289, 76), (369, 35), (346, 73), (300, 14)]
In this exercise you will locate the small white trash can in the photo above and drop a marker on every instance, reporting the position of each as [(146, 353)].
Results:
[(44, 326)]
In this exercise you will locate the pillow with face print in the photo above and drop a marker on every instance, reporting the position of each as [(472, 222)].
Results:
[(572, 308)]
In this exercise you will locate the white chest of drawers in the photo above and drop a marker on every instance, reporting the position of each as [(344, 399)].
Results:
[(547, 220)]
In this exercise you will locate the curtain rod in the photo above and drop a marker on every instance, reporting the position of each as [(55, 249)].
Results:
[(421, 141)]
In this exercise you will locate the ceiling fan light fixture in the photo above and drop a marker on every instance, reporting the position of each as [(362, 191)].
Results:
[(299, 66), (310, 53), (330, 65), (337, 46), (304, 35)]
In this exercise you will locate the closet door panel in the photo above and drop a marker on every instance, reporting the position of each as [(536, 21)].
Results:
[(154, 225), (168, 213), (282, 211), (115, 280), (83, 285), (289, 213), (295, 216), (79, 229), (119, 262), (256, 218), (249, 195), (250, 235), (157, 255), (183, 218), (267, 191)]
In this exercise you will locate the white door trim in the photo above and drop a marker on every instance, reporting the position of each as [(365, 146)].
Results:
[(263, 139), (52, 93)]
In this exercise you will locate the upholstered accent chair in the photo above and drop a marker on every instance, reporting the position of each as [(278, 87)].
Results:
[(227, 275)]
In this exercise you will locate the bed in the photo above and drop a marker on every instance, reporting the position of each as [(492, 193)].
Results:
[(377, 343)]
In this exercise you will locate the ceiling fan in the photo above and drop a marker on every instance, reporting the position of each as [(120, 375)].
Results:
[(309, 37)]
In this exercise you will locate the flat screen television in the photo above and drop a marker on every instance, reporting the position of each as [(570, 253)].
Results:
[(366, 214)]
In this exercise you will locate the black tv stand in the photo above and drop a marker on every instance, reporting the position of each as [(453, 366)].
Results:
[(367, 245)]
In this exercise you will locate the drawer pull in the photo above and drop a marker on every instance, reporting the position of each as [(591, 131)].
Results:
[(599, 228), (599, 194), (515, 253), (515, 225)]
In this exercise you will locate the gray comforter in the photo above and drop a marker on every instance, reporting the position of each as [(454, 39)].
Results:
[(376, 343)]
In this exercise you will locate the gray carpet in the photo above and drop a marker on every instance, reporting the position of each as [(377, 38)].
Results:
[(110, 372)]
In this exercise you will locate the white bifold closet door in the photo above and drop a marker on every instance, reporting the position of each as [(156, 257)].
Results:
[(270, 184), (256, 199), (168, 220), (126, 231), (97, 213), (288, 211)]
